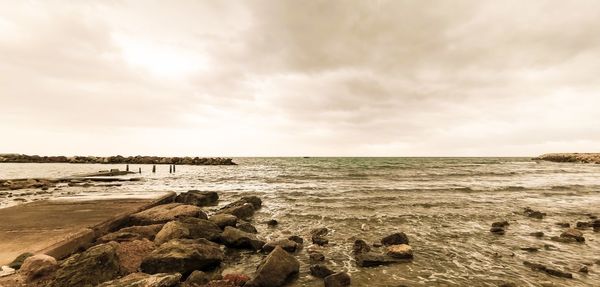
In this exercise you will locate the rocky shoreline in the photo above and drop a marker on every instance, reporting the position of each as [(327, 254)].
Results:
[(179, 244), (570, 157), (22, 158)]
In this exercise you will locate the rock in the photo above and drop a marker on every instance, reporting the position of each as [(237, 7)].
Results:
[(191, 228), (573, 233), (96, 265), (165, 213), (272, 222), (145, 280), (17, 262), (222, 220), (534, 213), (236, 279), (244, 211), (537, 234), (550, 271), (296, 239), (319, 232), (286, 244), (500, 224), (246, 227), (198, 198), (564, 224), (370, 259), (320, 271), (316, 256), (171, 230), (236, 238), (131, 254), (340, 279), (183, 255), (132, 233), (319, 240), (275, 270), (254, 200), (198, 278), (497, 230), (583, 269), (530, 249), (360, 246), (400, 251), (563, 239), (395, 239), (583, 224), (38, 266)]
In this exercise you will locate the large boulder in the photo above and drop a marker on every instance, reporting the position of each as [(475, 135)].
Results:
[(340, 279), (132, 233), (183, 255), (165, 213), (189, 227), (395, 239), (198, 198), (233, 237), (223, 219), (38, 266), (243, 211), (275, 269), (89, 268), (145, 280), (254, 200), (286, 244), (131, 254)]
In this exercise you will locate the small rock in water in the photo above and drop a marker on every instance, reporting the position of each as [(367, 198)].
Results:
[(497, 230), (500, 224), (401, 251), (296, 239), (548, 270), (340, 279), (364, 227), (583, 224), (564, 224), (272, 222), (530, 249), (534, 213), (319, 240), (316, 256), (286, 244), (394, 239), (584, 269), (537, 234), (319, 232), (360, 246), (16, 264), (573, 233), (320, 271)]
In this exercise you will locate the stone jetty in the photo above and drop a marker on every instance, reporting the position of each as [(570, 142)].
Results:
[(22, 158), (570, 157)]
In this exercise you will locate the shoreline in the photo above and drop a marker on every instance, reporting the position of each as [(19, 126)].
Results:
[(23, 158)]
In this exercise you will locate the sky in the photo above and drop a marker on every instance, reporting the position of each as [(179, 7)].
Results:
[(299, 78)]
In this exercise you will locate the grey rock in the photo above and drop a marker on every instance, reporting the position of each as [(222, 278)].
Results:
[(145, 280), (184, 256), (89, 268), (394, 239), (233, 237)]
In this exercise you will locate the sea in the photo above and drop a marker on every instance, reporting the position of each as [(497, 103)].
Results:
[(445, 205)]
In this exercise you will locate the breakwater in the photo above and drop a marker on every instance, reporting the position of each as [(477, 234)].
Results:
[(22, 158)]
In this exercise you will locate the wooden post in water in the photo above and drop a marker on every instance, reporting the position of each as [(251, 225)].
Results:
[(154, 168), (127, 168), (173, 168), (140, 170), (170, 168)]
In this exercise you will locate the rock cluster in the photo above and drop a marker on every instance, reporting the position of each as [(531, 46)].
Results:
[(115, 159), (571, 157), (177, 244)]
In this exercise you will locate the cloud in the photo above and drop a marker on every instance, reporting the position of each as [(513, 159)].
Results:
[(294, 78)]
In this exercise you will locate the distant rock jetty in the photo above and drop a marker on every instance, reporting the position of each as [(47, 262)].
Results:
[(571, 157), (22, 158)]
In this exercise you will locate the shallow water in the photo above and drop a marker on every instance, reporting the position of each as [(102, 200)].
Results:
[(445, 205)]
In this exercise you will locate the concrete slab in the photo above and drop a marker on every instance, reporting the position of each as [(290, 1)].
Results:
[(59, 228)]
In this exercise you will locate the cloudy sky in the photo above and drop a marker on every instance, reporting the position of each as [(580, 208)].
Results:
[(272, 78)]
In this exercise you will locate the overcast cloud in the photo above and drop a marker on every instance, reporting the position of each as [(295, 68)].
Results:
[(272, 78)]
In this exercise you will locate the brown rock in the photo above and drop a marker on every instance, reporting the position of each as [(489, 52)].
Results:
[(165, 213), (38, 266), (275, 270), (131, 254)]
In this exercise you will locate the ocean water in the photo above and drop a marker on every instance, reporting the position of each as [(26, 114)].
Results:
[(444, 205)]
